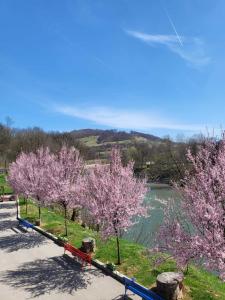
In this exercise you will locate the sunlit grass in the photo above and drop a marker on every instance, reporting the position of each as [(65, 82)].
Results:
[(4, 185)]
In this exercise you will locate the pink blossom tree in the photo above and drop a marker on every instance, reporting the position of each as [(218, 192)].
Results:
[(115, 197), (17, 175), (30, 175), (197, 232), (67, 184)]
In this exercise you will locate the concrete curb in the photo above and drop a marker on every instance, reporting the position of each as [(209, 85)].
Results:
[(115, 274), (45, 233)]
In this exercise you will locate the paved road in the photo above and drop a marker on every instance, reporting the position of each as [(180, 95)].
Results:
[(33, 266)]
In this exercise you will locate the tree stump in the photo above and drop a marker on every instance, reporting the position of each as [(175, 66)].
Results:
[(38, 222), (170, 286), (88, 245)]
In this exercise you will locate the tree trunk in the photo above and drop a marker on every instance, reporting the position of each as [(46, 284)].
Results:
[(117, 241), (17, 206), (26, 205), (187, 269), (118, 250), (75, 214), (65, 220), (39, 212)]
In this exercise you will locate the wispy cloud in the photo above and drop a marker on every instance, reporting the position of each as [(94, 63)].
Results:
[(124, 119), (191, 49)]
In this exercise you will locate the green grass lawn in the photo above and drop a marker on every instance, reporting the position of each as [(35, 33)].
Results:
[(90, 141), (199, 284), (3, 184)]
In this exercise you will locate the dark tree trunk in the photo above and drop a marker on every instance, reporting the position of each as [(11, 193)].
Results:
[(39, 212), (26, 205), (39, 209), (73, 215), (65, 220), (118, 249), (117, 240), (187, 269), (17, 208)]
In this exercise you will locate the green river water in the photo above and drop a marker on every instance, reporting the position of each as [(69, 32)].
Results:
[(144, 231)]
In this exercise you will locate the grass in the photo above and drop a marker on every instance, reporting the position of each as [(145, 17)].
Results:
[(90, 141), (199, 284), (4, 185)]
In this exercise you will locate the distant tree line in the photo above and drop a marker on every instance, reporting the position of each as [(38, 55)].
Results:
[(161, 160), (14, 141)]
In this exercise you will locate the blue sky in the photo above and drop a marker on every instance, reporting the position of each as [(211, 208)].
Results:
[(154, 66)]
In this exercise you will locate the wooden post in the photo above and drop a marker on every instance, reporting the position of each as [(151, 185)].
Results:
[(17, 205), (170, 286), (88, 245)]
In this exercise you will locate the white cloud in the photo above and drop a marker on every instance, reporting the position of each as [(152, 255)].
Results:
[(191, 49), (123, 119)]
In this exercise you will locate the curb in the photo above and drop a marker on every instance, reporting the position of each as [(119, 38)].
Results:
[(115, 274), (45, 233)]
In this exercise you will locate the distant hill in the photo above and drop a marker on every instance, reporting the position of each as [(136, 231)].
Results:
[(100, 136), (149, 137), (81, 133)]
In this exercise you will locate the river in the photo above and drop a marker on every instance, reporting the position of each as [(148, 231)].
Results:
[(144, 231)]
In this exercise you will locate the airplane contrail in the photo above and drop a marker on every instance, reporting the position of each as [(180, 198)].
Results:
[(173, 26)]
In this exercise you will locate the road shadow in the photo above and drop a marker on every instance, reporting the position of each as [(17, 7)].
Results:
[(55, 274), (21, 241), (7, 205), (7, 224), (6, 215)]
